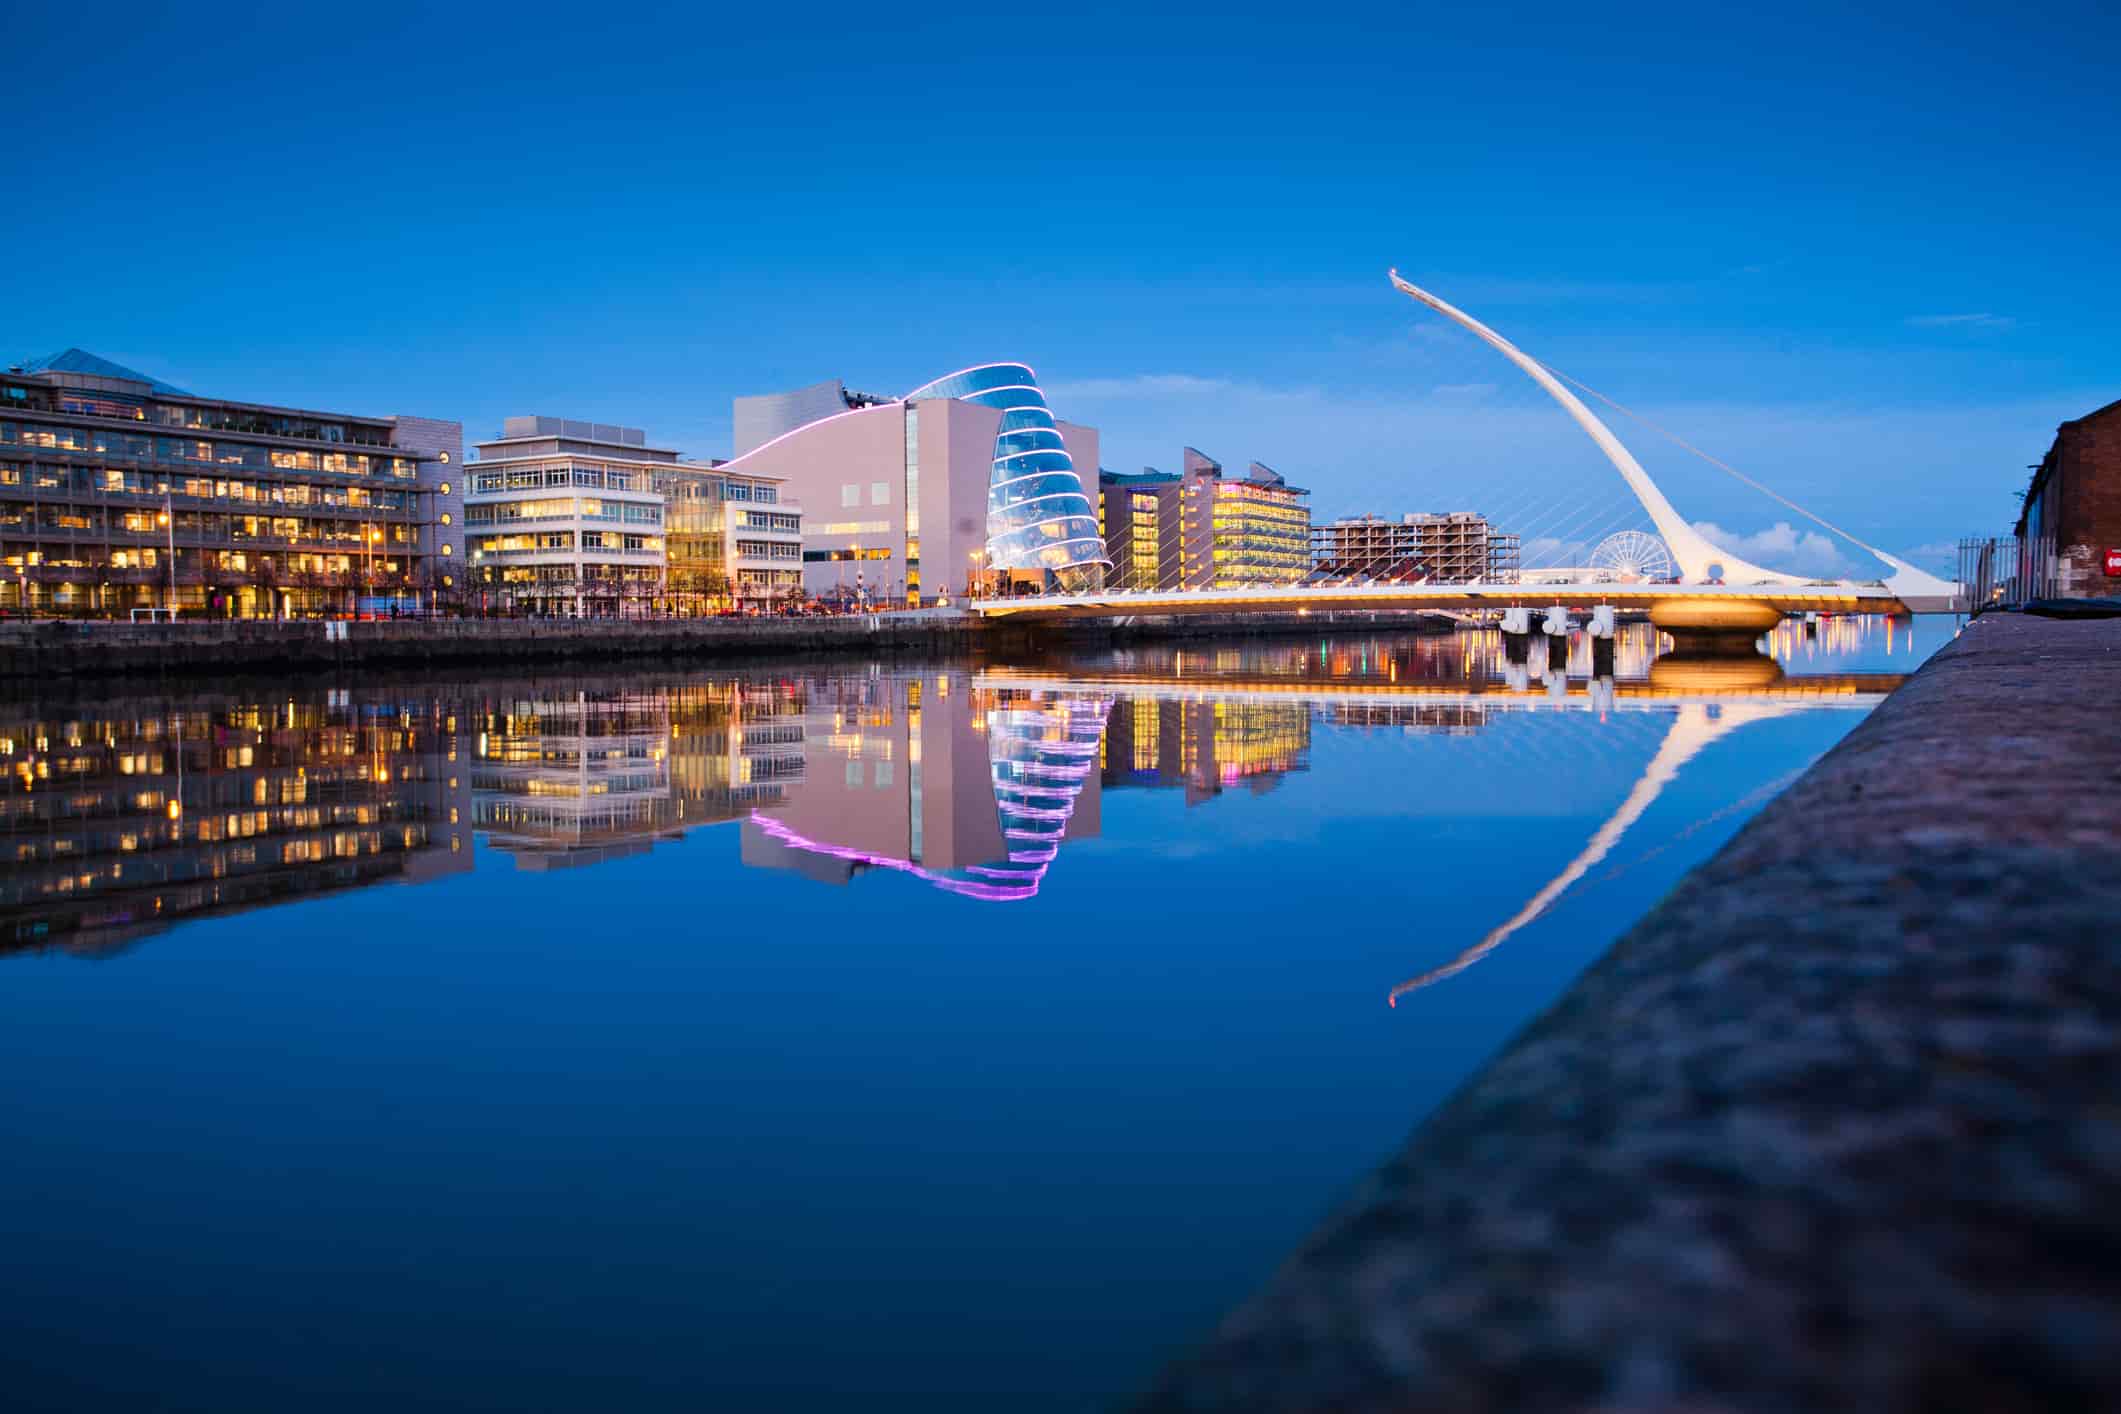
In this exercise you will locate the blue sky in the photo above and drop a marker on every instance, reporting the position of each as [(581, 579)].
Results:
[(1869, 258)]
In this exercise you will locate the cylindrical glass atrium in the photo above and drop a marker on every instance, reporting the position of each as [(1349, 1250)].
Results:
[(1038, 516)]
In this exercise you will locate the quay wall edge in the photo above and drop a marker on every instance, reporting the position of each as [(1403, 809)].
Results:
[(49, 650), (1834, 1126)]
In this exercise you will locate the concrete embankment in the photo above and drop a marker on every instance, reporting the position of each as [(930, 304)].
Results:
[(1836, 1126), (58, 649)]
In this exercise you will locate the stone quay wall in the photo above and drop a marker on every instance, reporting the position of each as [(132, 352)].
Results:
[(56, 649), (1836, 1126)]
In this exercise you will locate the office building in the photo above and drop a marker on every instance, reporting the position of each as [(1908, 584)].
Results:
[(729, 538), (1138, 514), (1198, 529), (563, 518), (121, 493), (586, 519), (1240, 532), (966, 484), (1456, 548)]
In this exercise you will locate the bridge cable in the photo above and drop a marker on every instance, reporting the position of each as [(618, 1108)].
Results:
[(1719, 464)]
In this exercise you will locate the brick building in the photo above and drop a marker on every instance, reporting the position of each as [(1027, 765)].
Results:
[(2072, 508)]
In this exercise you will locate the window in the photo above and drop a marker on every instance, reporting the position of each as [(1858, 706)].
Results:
[(879, 493), (850, 495)]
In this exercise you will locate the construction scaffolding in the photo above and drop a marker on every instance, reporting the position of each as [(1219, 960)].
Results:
[(1459, 547)]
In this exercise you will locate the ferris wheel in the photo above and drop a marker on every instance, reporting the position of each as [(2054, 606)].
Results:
[(1633, 556)]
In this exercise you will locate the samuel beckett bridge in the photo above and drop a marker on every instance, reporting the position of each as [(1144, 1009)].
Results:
[(1683, 582)]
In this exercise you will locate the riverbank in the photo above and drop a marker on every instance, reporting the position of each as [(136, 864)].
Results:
[(55, 649), (1833, 1127)]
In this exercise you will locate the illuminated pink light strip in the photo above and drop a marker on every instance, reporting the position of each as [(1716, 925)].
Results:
[(989, 893), (798, 431)]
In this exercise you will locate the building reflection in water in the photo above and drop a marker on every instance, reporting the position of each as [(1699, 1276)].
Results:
[(566, 778), (1205, 745), (120, 816), (918, 773)]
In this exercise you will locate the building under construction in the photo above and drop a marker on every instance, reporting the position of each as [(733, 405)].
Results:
[(1455, 548)]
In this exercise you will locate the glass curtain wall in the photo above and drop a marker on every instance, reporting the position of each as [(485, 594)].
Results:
[(1038, 517)]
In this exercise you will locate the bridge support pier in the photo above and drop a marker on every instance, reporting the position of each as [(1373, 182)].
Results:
[(1715, 625), (1517, 621)]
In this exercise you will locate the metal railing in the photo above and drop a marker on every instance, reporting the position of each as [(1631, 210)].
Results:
[(2007, 571)]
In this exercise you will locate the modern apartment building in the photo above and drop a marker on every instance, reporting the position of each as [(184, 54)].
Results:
[(967, 481), (1197, 529), (1460, 547), (119, 492)]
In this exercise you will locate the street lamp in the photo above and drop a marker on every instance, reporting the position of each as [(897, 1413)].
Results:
[(169, 519), (979, 562)]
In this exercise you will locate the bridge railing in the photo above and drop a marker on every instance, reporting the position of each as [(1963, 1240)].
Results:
[(2007, 571)]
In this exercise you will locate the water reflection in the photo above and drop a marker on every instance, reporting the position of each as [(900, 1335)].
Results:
[(1694, 726), (123, 815), (856, 971), (918, 773)]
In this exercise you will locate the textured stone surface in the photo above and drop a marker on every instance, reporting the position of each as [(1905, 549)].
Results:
[(1837, 1126)]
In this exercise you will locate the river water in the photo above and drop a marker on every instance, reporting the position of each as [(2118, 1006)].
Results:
[(945, 1037)]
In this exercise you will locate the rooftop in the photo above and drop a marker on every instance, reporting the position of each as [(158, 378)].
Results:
[(90, 365)]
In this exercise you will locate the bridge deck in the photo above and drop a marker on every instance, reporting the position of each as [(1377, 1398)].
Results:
[(1839, 597)]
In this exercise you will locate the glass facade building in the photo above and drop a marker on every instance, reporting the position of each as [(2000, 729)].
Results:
[(1038, 516), (120, 493), (1199, 529)]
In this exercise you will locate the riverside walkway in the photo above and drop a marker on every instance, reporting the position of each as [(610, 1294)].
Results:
[(1835, 1126)]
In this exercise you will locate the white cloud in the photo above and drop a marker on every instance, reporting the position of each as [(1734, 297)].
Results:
[(1960, 321), (1784, 547)]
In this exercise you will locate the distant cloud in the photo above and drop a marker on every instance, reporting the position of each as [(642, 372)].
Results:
[(1961, 321), (1784, 547), (1894, 473), (1144, 385), (1552, 552), (1940, 556)]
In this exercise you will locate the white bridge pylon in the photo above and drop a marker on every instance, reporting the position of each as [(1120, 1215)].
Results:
[(1691, 551)]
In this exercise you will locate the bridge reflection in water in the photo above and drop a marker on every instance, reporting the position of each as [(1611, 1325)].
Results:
[(123, 815)]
